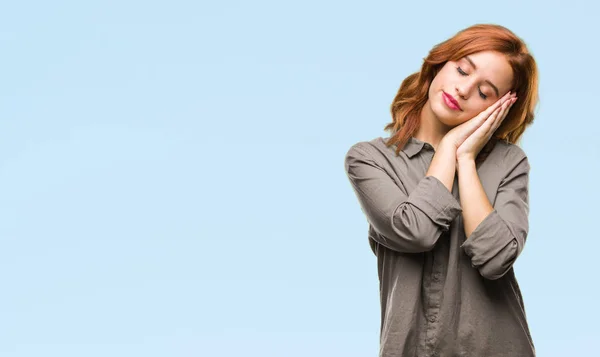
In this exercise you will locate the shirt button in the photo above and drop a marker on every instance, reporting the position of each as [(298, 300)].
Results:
[(436, 277), (432, 318)]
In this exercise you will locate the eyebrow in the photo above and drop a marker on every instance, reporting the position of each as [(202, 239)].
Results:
[(487, 81)]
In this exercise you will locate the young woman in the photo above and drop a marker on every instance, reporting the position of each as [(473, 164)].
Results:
[(446, 199)]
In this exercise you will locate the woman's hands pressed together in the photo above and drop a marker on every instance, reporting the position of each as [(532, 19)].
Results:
[(471, 136), (460, 145)]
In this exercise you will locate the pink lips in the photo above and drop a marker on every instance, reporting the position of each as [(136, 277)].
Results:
[(450, 101)]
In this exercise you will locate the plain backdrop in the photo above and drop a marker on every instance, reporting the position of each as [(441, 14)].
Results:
[(172, 179)]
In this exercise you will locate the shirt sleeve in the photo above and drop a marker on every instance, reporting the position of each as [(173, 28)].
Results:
[(498, 240), (404, 223)]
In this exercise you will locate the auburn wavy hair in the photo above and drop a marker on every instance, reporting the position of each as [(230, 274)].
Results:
[(413, 93)]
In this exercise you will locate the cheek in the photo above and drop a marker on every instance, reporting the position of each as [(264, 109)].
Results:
[(472, 112), (432, 86), (438, 79)]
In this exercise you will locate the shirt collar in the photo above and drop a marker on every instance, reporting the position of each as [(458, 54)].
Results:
[(413, 146)]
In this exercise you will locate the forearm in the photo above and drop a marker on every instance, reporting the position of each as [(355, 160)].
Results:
[(443, 165), (492, 243), (473, 200), (407, 222)]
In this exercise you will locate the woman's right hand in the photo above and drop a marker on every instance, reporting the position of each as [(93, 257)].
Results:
[(457, 135)]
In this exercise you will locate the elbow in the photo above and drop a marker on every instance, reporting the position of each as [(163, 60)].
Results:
[(493, 273), (419, 235), (403, 241), (499, 265), (423, 244), (416, 246), (411, 235), (493, 247), (414, 242)]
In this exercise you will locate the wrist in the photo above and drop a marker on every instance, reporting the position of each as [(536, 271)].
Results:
[(465, 160), (446, 143)]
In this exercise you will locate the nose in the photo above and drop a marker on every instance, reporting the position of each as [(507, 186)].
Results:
[(461, 91)]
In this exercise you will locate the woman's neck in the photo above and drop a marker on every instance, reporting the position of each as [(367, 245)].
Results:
[(431, 130)]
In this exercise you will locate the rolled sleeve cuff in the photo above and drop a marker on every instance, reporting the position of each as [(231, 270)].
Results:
[(436, 201), (488, 239)]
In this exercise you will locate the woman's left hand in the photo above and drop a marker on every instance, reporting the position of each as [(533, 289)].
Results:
[(472, 145)]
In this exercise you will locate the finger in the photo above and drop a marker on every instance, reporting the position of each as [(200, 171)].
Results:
[(505, 98), (486, 113), (487, 125), (486, 116), (497, 118), (503, 114), (506, 108), (492, 118)]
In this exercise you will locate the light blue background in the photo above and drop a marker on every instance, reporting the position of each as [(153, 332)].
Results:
[(172, 178)]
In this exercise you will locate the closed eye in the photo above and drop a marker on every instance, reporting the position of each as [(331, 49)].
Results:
[(463, 73)]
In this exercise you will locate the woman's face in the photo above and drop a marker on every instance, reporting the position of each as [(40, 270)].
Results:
[(474, 82)]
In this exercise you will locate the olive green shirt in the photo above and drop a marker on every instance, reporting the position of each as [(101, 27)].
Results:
[(441, 293)]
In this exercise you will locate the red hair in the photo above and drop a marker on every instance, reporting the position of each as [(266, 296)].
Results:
[(413, 93)]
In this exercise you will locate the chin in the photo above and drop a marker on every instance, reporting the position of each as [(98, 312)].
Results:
[(445, 115)]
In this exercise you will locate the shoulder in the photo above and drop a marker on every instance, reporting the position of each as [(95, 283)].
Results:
[(375, 146), (511, 156), (366, 149), (372, 148)]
